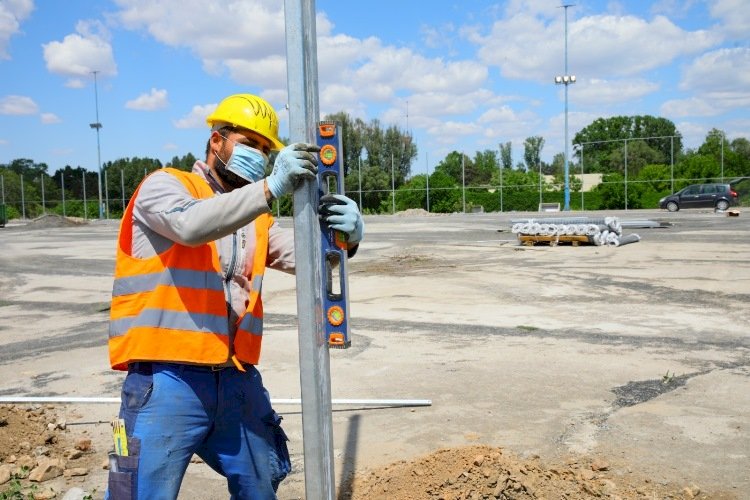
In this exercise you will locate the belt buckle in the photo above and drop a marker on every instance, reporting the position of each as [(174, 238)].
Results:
[(217, 368)]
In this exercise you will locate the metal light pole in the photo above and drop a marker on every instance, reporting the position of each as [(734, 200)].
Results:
[(97, 125), (566, 80)]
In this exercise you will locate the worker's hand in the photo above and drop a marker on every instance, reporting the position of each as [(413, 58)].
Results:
[(342, 214), (293, 163)]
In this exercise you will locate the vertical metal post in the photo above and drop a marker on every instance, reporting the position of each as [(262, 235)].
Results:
[(722, 157), (85, 208), (501, 186), (463, 182), (626, 174), (427, 178), (106, 193), (359, 175), (582, 208), (23, 201), (671, 163), (315, 382), (122, 188), (393, 186), (41, 181), (540, 184), (2, 186), (62, 189)]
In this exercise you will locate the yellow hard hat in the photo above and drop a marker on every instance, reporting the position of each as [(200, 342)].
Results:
[(249, 112)]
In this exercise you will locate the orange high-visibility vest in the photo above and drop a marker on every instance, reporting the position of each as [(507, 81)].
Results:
[(172, 307)]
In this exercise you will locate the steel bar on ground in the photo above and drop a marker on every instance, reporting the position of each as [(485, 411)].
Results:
[(274, 401), (315, 381)]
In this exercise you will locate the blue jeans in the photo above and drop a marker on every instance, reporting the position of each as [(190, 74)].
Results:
[(173, 411)]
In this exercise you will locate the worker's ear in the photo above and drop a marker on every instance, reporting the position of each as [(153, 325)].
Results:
[(215, 141)]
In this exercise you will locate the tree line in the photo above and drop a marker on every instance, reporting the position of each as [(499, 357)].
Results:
[(639, 157)]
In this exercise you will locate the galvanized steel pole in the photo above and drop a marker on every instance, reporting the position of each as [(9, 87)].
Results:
[(315, 382)]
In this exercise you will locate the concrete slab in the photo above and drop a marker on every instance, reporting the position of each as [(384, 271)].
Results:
[(639, 353)]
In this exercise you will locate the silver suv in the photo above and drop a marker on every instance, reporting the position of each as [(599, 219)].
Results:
[(718, 196)]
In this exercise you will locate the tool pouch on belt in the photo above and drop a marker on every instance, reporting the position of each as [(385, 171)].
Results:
[(123, 472)]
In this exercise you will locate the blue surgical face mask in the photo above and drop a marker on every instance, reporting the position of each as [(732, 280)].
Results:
[(246, 162)]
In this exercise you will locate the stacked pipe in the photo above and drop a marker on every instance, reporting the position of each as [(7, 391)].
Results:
[(600, 231)]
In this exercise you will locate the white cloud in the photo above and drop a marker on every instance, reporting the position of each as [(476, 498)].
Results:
[(155, 99), (596, 92), (170, 146), (81, 53), (734, 16), (196, 118), (693, 134), (249, 29), (12, 13), (720, 82), (692, 106), (18, 105), (50, 118), (524, 46)]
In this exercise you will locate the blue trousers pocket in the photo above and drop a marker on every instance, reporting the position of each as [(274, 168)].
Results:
[(280, 461), (121, 486)]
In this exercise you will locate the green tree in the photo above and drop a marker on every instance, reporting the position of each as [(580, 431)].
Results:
[(506, 155), (532, 152), (605, 135)]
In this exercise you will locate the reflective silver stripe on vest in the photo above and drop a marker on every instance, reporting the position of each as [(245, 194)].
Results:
[(251, 324), (184, 278), (160, 318), (258, 283)]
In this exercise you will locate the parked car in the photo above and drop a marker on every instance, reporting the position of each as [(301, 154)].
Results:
[(718, 196)]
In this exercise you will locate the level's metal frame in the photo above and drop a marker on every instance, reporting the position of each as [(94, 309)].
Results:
[(315, 380)]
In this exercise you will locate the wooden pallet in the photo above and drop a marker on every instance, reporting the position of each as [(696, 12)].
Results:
[(531, 240)]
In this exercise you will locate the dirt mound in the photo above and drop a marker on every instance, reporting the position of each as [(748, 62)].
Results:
[(483, 472), (54, 220), (416, 212), (39, 455)]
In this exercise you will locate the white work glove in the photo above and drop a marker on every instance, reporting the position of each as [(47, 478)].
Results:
[(293, 163), (342, 214)]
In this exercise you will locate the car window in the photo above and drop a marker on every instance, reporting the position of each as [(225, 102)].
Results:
[(692, 190), (709, 188), (721, 188)]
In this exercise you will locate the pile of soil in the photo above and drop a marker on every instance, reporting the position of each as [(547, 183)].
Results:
[(39, 455), (39, 451), (484, 472)]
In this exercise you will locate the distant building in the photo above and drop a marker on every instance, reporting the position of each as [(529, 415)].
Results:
[(590, 181)]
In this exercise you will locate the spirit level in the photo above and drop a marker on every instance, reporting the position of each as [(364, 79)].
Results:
[(333, 243)]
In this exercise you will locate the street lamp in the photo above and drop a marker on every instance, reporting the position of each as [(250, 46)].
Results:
[(566, 80), (97, 126)]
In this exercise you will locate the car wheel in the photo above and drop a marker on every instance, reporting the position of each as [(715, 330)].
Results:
[(722, 205), (672, 206)]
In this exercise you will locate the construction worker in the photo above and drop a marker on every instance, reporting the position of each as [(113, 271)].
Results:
[(187, 318)]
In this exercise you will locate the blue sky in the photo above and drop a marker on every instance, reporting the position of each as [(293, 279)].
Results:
[(461, 75)]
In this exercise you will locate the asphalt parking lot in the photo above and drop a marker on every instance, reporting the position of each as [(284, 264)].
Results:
[(638, 353)]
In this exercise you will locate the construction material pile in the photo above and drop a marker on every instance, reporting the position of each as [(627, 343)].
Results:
[(597, 231)]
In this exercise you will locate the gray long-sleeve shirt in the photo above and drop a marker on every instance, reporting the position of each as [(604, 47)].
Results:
[(165, 213)]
